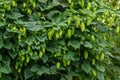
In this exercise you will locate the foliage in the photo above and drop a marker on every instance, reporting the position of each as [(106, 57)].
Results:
[(57, 39), (113, 71)]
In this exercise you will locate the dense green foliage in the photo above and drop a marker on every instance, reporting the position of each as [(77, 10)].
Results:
[(59, 40), (113, 69)]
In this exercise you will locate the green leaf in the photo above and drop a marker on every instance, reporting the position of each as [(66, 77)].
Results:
[(118, 77), (53, 14), (34, 17), (35, 57), (102, 44), (80, 77), (62, 78), (116, 69), (30, 40), (74, 44), (6, 77), (56, 1), (5, 2), (6, 60), (63, 3), (100, 76), (35, 68), (45, 58), (33, 26), (15, 15), (53, 69), (0, 74), (43, 1), (101, 28), (69, 56), (1, 42), (68, 77), (53, 48), (89, 12), (86, 67), (101, 10), (40, 72), (88, 44), (28, 74), (7, 45), (5, 69), (0, 57), (43, 70), (42, 38), (2, 23), (100, 68), (12, 54), (51, 5), (19, 22)]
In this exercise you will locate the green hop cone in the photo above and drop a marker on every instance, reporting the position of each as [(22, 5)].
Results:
[(89, 22), (34, 4), (68, 62), (89, 4), (40, 54), (8, 8), (85, 54), (14, 28), (29, 11), (23, 58), (14, 3), (3, 15), (92, 37), (117, 29), (94, 72), (102, 56), (82, 3), (69, 20), (82, 26), (24, 5), (27, 59), (69, 33), (77, 21), (57, 35), (93, 61), (69, 1), (58, 65), (97, 57), (60, 33), (16, 66), (19, 70)]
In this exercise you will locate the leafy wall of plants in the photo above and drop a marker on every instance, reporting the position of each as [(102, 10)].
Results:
[(57, 39)]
